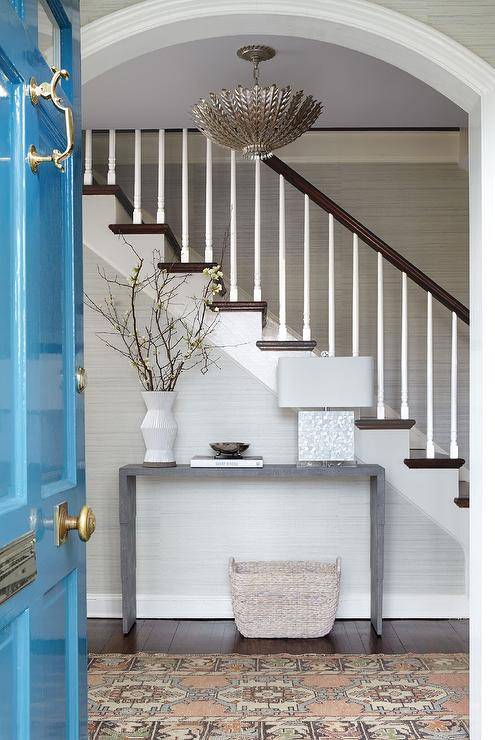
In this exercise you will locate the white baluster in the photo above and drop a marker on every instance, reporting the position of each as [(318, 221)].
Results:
[(404, 345), (306, 274), (454, 449), (111, 157), (184, 255), (430, 447), (137, 217), (160, 206), (380, 396), (233, 229), (355, 296), (209, 205), (257, 232), (282, 298), (88, 157), (331, 286)]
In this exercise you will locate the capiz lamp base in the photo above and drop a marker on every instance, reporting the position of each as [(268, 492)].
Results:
[(326, 437)]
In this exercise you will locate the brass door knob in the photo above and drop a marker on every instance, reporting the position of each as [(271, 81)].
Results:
[(85, 523)]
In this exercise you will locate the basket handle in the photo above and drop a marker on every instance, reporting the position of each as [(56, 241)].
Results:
[(338, 564), (231, 565)]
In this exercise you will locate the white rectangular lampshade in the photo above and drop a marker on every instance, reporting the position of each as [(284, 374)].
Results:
[(329, 382)]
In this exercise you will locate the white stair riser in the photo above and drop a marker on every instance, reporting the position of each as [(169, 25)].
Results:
[(431, 490)]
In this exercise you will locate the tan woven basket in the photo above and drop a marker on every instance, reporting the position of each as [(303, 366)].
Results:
[(284, 598)]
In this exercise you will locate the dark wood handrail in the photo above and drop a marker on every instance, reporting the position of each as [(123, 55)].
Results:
[(368, 237)]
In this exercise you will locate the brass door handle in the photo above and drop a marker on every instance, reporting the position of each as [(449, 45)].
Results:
[(48, 91), (85, 523)]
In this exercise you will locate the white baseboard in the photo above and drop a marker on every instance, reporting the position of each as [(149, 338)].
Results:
[(352, 606)]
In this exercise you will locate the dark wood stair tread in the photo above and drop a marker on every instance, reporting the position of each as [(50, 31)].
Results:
[(290, 345), (418, 460), (138, 228), (148, 229), (189, 268), (186, 266), (115, 190), (370, 423), (260, 306)]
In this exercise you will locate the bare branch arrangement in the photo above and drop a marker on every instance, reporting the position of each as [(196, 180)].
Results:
[(169, 339)]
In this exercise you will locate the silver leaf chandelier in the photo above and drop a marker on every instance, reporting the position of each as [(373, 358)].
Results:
[(259, 119)]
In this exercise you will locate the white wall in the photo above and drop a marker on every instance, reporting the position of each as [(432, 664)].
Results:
[(186, 535)]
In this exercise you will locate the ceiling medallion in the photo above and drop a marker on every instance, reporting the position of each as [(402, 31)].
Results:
[(256, 120)]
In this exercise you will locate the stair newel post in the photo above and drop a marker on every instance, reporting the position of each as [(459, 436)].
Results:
[(306, 274), (257, 230), (184, 255), (355, 295), (160, 206), (111, 157), (209, 204), (88, 157), (454, 449), (380, 405), (331, 286), (233, 228), (404, 346), (137, 217), (430, 447), (282, 286)]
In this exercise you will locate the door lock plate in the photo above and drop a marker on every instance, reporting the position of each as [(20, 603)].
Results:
[(60, 514), (17, 565)]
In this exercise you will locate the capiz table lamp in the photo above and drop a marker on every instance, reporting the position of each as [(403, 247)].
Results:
[(336, 386)]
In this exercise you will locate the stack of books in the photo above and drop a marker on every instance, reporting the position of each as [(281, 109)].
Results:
[(203, 461)]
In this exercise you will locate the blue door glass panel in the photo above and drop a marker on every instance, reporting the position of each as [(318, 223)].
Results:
[(48, 35), (56, 341)]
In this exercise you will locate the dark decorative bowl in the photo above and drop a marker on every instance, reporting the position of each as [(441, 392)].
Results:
[(229, 449)]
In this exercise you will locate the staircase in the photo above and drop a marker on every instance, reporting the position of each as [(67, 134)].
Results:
[(433, 479)]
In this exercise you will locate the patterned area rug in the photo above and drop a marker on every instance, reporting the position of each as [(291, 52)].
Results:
[(289, 697)]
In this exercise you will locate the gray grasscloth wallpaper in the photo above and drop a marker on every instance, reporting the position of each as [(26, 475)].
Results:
[(186, 534)]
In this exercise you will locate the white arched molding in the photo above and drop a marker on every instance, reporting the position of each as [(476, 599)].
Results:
[(363, 26)]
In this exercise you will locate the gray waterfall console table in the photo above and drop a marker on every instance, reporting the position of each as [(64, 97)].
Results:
[(127, 516)]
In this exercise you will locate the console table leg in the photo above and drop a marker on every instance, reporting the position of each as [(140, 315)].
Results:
[(127, 518), (377, 515)]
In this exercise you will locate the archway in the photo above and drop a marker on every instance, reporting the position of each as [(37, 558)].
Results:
[(455, 72), (357, 24)]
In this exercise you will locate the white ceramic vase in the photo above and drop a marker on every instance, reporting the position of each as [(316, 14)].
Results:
[(159, 428)]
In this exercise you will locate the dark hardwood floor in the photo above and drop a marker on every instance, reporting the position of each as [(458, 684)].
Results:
[(176, 636)]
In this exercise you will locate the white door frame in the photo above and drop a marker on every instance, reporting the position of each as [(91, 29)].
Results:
[(464, 78)]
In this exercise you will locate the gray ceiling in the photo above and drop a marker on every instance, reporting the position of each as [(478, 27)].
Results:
[(157, 89)]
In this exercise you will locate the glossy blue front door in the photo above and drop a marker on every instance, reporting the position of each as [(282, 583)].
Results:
[(42, 625)]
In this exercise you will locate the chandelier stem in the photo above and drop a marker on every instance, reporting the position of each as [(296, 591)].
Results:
[(256, 72)]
